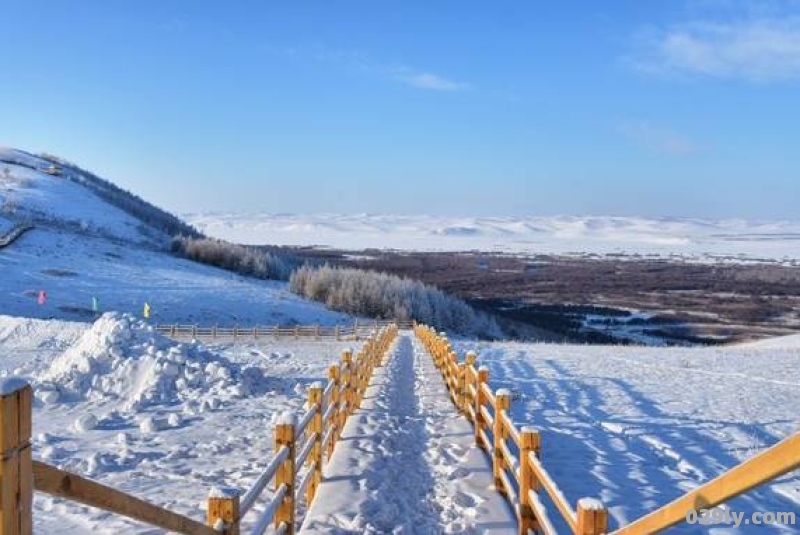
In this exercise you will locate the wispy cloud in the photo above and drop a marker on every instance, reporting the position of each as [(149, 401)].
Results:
[(354, 60), (433, 82), (759, 50), (659, 139)]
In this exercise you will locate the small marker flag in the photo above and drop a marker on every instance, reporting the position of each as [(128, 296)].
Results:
[(42, 297), (146, 310)]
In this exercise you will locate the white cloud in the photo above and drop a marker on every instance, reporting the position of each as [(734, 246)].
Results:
[(359, 61), (659, 139), (433, 82), (756, 50)]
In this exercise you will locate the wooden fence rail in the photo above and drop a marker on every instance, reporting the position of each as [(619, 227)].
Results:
[(356, 331), (302, 445), (521, 477)]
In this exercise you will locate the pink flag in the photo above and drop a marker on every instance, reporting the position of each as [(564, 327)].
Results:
[(42, 297)]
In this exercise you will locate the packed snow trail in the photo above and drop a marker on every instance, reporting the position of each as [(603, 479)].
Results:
[(406, 462)]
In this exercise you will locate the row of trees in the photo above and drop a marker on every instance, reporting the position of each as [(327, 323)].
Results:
[(381, 295), (233, 257)]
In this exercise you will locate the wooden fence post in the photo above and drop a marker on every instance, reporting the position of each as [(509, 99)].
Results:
[(285, 436), (16, 466), (222, 510), (347, 379), (214, 332), (502, 404), (334, 376), (296, 332), (592, 517), (469, 364), (530, 444), (338, 336), (317, 426), (483, 377)]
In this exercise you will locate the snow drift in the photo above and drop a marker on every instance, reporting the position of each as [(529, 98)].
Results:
[(124, 360)]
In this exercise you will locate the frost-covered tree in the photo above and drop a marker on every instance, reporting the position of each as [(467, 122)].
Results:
[(233, 257), (385, 296)]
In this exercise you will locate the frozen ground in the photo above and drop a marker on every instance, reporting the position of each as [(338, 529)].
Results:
[(406, 464), (638, 426), (690, 239), (162, 420)]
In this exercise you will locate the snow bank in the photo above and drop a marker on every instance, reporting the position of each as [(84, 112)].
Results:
[(124, 360)]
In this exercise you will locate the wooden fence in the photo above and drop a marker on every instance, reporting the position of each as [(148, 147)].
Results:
[(302, 445), (521, 477), (356, 331), (14, 234)]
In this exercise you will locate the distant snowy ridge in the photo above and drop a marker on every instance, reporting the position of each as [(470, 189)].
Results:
[(693, 238)]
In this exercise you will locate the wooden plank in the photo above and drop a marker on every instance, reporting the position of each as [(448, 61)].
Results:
[(55, 482), (774, 462), (555, 494), (16, 492), (511, 429)]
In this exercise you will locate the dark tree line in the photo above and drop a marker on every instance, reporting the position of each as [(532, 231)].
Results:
[(128, 202), (237, 258)]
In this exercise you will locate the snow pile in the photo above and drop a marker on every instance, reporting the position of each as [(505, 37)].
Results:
[(124, 360)]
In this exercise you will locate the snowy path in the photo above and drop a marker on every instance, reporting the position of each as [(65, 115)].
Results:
[(406, 462)]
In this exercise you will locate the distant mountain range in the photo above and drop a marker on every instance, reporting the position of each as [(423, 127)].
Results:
[(693, 239)]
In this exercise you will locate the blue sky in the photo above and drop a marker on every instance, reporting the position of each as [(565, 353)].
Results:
[(673, 108)]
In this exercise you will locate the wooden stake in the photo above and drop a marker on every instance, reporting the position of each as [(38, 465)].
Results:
[(223, 505), (530, 443), (483, 377), (315, 458), (285, 436), (16, 468), (334, 376), (592, 517), (503, 404)]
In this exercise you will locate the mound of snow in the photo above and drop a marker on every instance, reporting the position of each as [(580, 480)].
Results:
[(124, 360)]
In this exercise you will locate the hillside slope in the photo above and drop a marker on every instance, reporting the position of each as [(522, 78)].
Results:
[(83, 247)]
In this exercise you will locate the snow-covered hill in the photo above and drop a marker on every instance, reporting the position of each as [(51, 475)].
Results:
[(682, 238), (83, 247)]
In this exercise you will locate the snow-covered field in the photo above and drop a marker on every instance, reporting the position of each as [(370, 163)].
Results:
[(73, 268), (637, 427), (634, 426), (162, 420), (689, 239)]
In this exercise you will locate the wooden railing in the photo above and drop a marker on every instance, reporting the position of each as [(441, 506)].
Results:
[(521, 477), (357, 331), (14, 234), (302, 445)]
